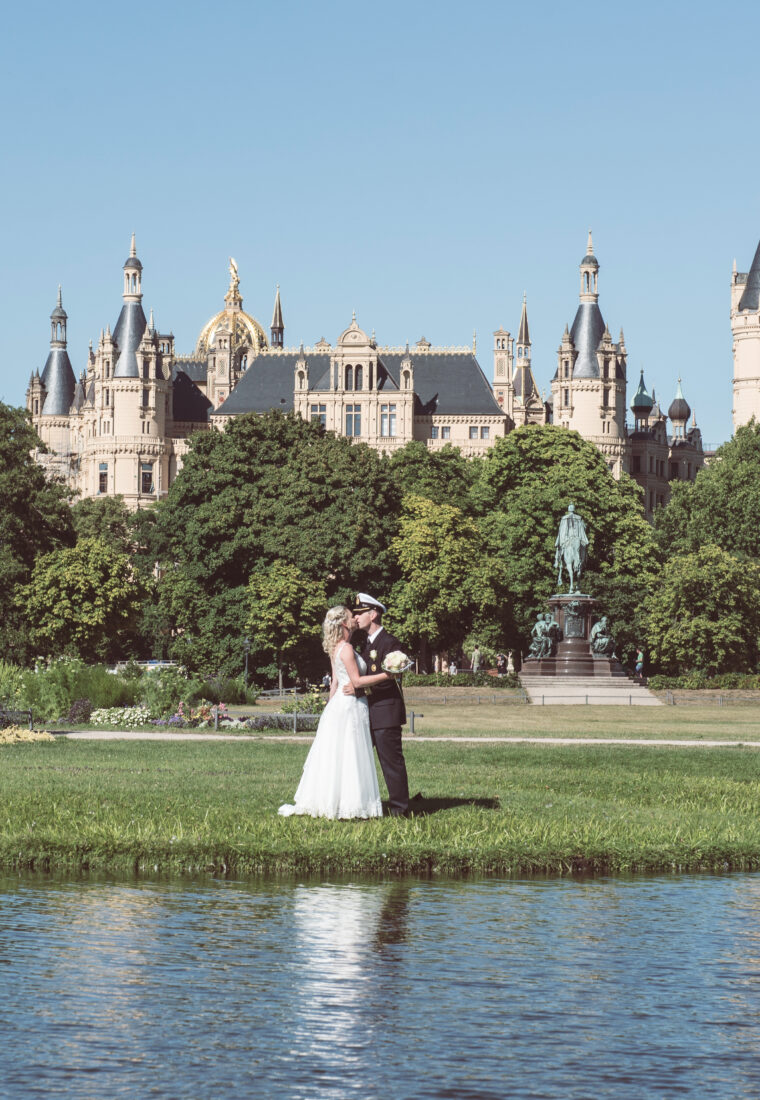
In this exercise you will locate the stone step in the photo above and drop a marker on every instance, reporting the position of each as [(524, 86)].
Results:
[(591, 690)]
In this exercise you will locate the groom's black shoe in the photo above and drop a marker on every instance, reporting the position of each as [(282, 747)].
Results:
[(418, 797)]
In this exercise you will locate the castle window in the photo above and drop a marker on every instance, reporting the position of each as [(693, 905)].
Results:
[(319, 414), (108, 398), (370, 376), (406, 379), (606, 369), (301, 377), (388, 420), (103, 478), (146, 477), (434, 431), (473, 432), (636, 464), (36, 406), (567, 369), (606, 397), (145, 398), (349, 378), (674, 471), (359, 379), (485, 433), (146, 368), (108, 368), (353, 420), (446, 432), (567, 397)]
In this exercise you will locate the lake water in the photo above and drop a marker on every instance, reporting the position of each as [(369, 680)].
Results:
[(641, 987)]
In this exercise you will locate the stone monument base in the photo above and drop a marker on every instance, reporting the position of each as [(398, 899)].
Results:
[(573, 612)]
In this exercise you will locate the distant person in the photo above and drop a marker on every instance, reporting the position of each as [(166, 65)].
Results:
[(501, 665), (639, 662), (476, 659), (453, 668), (436, 664)]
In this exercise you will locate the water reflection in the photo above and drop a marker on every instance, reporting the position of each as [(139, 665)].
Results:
[(543, 988)]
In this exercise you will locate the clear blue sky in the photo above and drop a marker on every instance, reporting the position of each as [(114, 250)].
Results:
[(423, 163)]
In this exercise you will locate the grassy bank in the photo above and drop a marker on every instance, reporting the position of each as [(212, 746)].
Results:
[(487, 809)]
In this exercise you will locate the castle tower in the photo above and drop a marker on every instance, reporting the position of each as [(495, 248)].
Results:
[(588, 388), (528, 405), (679, 413), (745, 329), (503, 367), (50, 395), (277, 328)]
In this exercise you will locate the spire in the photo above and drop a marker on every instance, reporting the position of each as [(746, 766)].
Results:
[(590, 245), (133, 247), (523, 335), (277, 327), (233, 297), (151, 325), (58, 319), (57, 375)]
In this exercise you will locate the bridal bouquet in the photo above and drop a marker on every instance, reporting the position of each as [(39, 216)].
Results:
[(396, 663)]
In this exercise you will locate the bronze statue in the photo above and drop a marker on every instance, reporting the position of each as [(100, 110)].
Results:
[(602, 642), (570, 546)]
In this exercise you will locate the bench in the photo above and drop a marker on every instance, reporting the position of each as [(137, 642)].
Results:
[(10, 717)]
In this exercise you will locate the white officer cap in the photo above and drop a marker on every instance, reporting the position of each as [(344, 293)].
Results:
[(366, 603)]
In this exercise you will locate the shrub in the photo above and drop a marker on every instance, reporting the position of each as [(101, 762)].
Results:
[(462, 679), (228, 689), (80, 711), (163, 689), (11, 680), (312, 703), (700, 681), (50, 689)]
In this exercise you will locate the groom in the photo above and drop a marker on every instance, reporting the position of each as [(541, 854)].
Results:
[(387, 713)]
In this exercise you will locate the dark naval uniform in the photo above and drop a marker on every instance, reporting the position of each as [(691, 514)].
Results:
[(387, 715)]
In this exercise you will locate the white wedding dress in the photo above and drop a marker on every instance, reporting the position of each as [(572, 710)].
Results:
[(339, 777)]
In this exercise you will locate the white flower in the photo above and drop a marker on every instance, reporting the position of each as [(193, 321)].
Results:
[(396, 662)]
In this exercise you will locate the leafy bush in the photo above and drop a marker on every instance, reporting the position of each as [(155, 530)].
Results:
[(80, 711), (200, 717), (11, 679), (163, 689), (228, 689), (313, 703), (462, 679), (700, 681), (50, 689)]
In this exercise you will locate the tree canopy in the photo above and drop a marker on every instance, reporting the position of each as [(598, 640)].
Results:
[(527, 480)]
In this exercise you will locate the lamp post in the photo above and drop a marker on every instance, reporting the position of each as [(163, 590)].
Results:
[(246, 650)]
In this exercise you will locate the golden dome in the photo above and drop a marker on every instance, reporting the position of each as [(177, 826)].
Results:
[(246, 330)]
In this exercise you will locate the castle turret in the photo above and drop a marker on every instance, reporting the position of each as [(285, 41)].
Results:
[(58, 380), (277, 328), (745, 328), (131, 323)]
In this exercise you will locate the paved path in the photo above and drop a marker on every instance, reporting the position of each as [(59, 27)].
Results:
[(139, 735)]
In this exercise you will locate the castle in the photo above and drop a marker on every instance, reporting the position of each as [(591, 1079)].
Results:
[(123, 426)]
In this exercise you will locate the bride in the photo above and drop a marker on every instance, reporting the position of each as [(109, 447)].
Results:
[(339, 777)]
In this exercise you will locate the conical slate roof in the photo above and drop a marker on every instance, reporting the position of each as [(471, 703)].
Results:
[(127, 335), (523, 336), (58, 375), (750, 299), (586, 334)]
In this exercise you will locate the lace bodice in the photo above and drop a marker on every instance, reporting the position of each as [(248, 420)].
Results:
[(340, 668)]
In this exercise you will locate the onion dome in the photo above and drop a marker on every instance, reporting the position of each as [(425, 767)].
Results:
[(642, 402), (59, 313), (679, 406), (246, 330), (132, 262), (590, 260)]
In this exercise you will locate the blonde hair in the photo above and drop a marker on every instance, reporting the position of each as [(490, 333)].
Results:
[(331, 634)]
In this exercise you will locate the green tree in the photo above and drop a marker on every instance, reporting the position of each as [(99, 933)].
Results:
[(447, 578), (84, 602), (722, 506), (704, 615), (268, 488), (527, 481), (34, 519), (105, 518), (285, 612), (444, 476)]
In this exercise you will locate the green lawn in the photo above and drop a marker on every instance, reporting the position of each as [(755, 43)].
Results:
[(486, 809)]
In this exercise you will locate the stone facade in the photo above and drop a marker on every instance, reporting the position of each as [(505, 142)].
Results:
[(123, 427), (745, 330)]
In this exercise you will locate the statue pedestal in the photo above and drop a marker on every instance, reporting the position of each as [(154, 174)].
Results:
[(574, 613)]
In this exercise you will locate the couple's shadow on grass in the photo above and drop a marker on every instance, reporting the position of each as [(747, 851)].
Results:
[(419, 806)]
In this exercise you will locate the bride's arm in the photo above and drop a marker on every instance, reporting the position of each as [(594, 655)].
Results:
[(358, 681)]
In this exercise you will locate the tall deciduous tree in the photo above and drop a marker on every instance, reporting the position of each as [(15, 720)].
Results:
[(84, 601), (704, 615), (285, 612), (105, 518), (444, 476), (447, 577), (270, 487), (34, 519), (528, 479), (722, 506)]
